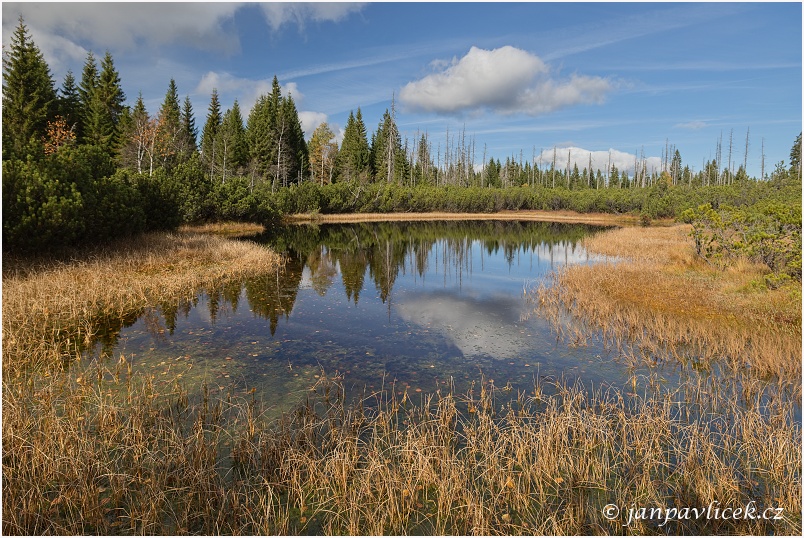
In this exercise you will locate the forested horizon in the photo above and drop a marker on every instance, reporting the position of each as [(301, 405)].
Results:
[(83, 164)]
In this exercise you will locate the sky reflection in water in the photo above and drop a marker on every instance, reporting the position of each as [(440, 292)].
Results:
[(418, 304)]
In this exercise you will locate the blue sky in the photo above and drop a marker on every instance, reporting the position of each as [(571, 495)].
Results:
[(603, 78)]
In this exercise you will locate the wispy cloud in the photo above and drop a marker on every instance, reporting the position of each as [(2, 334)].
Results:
[(506, 80), (705, 65), (694, 125), (278, 14), (588, 37)]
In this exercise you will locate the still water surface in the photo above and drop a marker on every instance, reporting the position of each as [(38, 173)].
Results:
[(416, 305)]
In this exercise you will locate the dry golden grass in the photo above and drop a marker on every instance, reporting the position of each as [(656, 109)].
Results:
[(51, 308), (671, 304), (108, 457), (544, 216), (230, 229)]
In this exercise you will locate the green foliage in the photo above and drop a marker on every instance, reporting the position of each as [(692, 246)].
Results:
[(105, 105), (237, 201), (66, 199), (231, 151), (387, 158), (353, 156), (29, 97), (159, 196), (39, 212), (213, 123), (76, 195), (195, 192), (301, 198), (768, 232), (189, 129), (69, 102)]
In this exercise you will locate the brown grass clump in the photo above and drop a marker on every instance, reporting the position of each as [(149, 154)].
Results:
[(663, 302), (52, 308), (228, 229)]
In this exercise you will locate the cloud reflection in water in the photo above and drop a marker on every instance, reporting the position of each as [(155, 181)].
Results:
[(488, 326)]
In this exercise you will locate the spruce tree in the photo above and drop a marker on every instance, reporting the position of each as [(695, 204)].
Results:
[(172, 140), (211, 127), (29, 97), (388, 161), (86, 89), (188, 125), (106, 104), (353, 157), (231, 150), (110, 88), (299, 160), (261, 136), (277, 149), (69, 102)]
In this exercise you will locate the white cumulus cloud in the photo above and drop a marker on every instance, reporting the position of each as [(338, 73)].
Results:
[(310, 120), (600, 159), (505, 80)]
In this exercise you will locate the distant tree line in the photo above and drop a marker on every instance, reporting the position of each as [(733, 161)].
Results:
[(80, 165)]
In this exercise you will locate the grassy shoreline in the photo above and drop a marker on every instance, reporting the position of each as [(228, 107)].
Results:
[(605, 219), (663, 301), (48, 305), (108, 453)]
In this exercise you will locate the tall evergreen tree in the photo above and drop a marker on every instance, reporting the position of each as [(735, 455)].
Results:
[(86, 90), (424, 170), (69, 101), (353, 156), (260, 133), (171, 140), (188, 124), (388, 161), (231, 149), (211, 127), (110, 88), (268, 135), (106, 104), (299, 160), (29, 97)]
